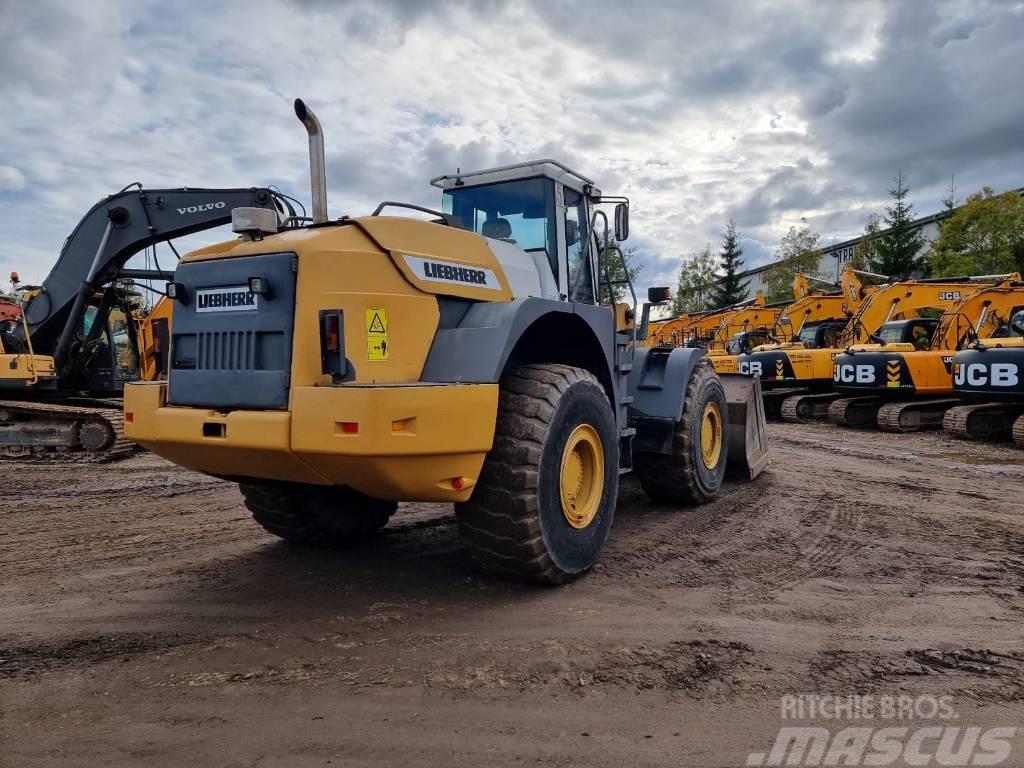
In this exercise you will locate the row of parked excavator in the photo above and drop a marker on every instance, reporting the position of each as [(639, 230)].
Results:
[(869, 351)]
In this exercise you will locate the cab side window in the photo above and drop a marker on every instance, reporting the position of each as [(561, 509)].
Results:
[(581, 279)]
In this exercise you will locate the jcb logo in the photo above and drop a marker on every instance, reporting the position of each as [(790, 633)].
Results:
[(850, 374), (979, 374), (750, 368), (949, 296)]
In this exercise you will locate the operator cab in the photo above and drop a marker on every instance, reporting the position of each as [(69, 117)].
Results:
[(545, 209), (744, 342), (1013, 328), (823, 335), (917, 331)]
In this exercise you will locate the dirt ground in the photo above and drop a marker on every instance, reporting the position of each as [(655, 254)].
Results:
[(145, 620)]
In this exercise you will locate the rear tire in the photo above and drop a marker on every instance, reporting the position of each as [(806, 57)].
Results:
[(545, 500), (693, 473), (315, 515)]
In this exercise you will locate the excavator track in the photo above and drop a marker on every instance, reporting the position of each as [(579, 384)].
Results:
[(774, 398), (981, 421), (78, 430), (854, 411), (914, 415), (1018, 432), (802, 408)]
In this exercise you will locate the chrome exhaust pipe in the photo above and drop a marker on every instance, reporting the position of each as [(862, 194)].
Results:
[(317, 161)]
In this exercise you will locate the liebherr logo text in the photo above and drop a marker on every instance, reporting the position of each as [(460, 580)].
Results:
[(204, 207), (432, 269), (452, 273), (231, 299)]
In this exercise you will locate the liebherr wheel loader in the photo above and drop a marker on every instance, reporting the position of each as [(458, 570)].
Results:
[(64, 364), (336, 369), (903, 380), (988, 373), (807, 373)]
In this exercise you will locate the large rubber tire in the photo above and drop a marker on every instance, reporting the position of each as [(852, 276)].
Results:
[(514, 522), (316, 515), (684, 477)]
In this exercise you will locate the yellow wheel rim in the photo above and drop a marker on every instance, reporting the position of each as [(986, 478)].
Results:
[(711, 435), (581, 479)]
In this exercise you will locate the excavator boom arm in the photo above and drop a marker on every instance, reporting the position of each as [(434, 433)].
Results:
[(114, 230)]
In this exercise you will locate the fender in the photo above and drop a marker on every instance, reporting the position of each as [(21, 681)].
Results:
[(477, 350), (658, 384), (658, 381)]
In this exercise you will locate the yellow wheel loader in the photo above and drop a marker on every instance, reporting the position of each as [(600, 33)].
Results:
[(988, 373), (336, 369), (80, 337), (798, 378), (903, 379)]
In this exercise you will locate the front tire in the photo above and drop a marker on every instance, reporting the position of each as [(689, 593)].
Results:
[(545, 500), (693, 473), (316, 515)]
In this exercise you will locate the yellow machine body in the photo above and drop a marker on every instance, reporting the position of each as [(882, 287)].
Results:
[(386, 433)]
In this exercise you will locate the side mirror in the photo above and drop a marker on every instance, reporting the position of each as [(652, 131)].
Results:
[(658, 295), (622, 222)]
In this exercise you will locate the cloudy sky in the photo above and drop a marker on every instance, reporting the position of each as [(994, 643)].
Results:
[(765, 112)]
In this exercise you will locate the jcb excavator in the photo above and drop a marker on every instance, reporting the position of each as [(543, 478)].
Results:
[(804, 371), (64, 364), (988, 373), (806, 307), (903, 379), (336, 369)]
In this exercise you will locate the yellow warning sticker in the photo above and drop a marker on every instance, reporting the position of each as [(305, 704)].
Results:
[(376, 334)]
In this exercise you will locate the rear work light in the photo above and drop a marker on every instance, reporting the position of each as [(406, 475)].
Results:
[(332, 344)]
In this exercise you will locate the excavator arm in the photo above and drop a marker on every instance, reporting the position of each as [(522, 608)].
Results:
[(903, 300), (115, 229), (979, 315)]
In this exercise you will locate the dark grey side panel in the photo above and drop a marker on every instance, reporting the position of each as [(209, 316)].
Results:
[(658, 381), (478, 349), (237, 358)]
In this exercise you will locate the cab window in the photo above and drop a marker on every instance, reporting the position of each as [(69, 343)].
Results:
[(519, 212), (581, 277)]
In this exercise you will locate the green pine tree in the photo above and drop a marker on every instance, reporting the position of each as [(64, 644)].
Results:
[(730, 289), (899, 249)]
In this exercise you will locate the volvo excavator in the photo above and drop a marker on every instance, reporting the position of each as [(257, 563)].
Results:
[(336, 369), (802, 374), (988, 373), (902, 380), (80, 336)]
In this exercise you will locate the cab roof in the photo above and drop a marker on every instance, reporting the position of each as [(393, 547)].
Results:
[(546, 168)]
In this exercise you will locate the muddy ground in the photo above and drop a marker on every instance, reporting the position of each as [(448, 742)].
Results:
[(145, 620)]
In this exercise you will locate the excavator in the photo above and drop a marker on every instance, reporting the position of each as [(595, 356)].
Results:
[(988, 373), (903, 379), (800, 375), (80, 335), (712, 329), (807, 307)]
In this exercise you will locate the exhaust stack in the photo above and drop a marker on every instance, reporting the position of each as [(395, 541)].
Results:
[(317, 163)]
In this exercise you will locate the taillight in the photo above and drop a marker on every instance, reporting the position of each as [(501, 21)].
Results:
[(332, 344)]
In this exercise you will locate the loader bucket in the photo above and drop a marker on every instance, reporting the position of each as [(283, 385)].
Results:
[(748, 439)]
